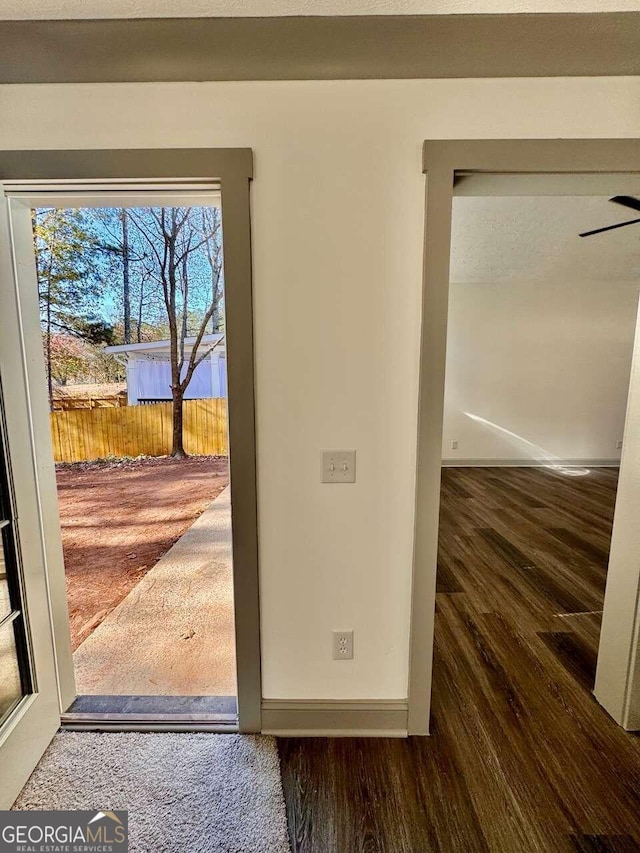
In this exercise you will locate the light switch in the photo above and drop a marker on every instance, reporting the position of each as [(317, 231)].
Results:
[(338, 466)]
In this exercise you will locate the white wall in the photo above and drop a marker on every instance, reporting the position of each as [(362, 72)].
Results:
[(338, 226), (538, 370)]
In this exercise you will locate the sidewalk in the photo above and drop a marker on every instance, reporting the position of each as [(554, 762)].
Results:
[(173, 634)]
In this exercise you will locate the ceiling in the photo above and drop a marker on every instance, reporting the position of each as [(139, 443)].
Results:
[(536, 239), (87, 9)]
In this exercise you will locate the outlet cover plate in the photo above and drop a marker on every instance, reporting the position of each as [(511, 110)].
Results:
[(342, 645), (338, 466)]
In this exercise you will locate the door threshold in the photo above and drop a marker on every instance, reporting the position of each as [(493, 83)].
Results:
[(152, 713), (132, 723)]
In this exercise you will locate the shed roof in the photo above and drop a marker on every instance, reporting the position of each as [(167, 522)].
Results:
[(150, 346)]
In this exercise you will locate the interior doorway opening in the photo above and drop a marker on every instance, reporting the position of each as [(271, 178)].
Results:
[(541, 327), (556, 167), (541, 361)]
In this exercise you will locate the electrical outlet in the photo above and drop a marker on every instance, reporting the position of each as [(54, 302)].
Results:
[(618, 445), (343, 645), (454, 444)]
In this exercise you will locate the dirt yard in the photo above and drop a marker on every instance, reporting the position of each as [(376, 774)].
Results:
[(119, 518)]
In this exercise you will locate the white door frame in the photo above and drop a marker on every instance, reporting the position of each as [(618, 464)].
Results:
[(442, 161)]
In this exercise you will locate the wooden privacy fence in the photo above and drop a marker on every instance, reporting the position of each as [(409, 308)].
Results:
[(85, 434)]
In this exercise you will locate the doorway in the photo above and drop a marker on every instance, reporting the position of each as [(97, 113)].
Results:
[(126, 180), (541, 326), (131, 299), (561, 165)]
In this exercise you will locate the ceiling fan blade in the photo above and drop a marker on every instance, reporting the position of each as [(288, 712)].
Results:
[(608, 228), (627, 201)]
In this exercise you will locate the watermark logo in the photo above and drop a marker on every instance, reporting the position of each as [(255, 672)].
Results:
[(64, 832)]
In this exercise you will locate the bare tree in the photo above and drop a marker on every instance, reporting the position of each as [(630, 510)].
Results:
[(184, 259), (117, 244), (211, 225), (126, 280)]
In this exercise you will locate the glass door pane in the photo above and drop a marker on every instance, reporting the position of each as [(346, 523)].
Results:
[(15, 671), (11, 687), (5, 598)]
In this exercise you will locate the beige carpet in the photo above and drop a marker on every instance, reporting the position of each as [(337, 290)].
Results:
[(185, 793), (173, 634)]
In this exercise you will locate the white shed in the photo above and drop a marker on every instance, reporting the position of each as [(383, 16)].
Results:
[(149, 370)]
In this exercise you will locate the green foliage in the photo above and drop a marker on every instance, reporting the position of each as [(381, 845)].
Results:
[(97, 332), (67, 268)]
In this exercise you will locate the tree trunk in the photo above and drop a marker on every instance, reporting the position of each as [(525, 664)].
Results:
[(126, 289), (177, 450), (139, 318), (49, 371)]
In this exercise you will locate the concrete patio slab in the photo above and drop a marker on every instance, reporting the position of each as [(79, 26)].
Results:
[(173, 634)]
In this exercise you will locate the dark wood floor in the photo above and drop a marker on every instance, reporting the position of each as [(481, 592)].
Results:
[(521, 757)]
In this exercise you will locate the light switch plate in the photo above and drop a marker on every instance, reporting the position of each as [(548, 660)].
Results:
[(338, 466)]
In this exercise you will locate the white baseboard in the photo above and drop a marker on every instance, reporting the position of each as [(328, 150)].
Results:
[(335, 717), (530, 463)]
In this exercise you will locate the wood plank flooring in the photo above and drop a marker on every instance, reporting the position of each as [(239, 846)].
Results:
[(521, 757)]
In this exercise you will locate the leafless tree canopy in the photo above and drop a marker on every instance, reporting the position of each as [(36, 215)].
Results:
[(160, 268)]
